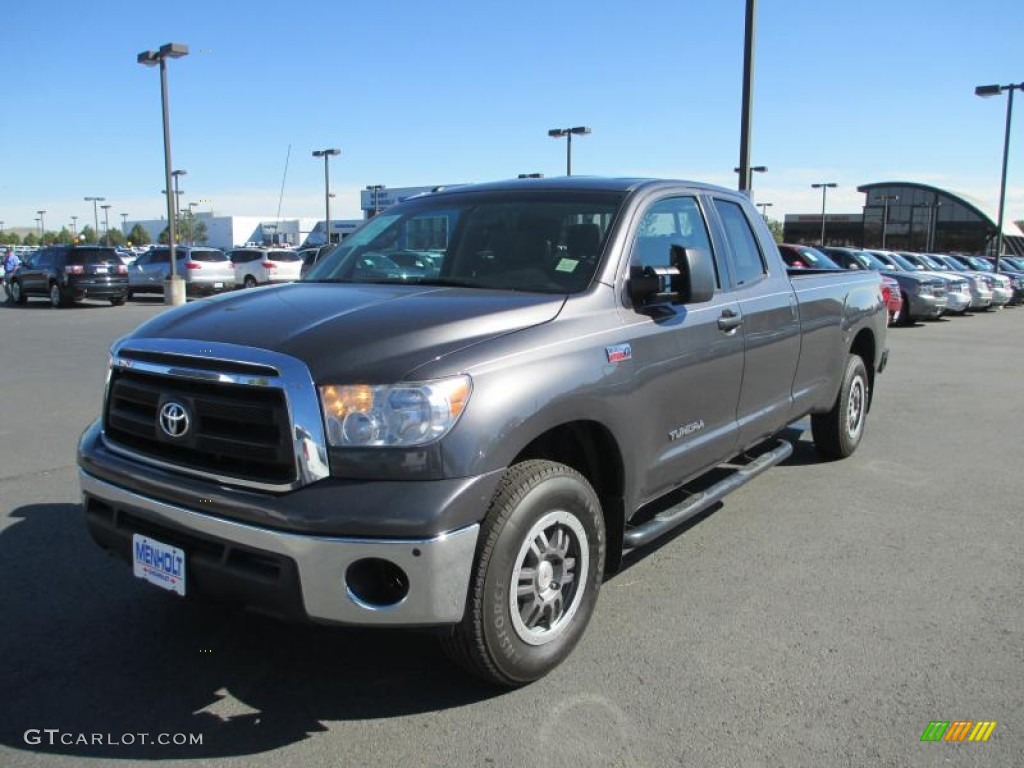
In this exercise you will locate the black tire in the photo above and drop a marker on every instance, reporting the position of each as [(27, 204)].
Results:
[(250, 281), (905, 318), (130, 295), (838, 433), (57, 299), (117, 301), (14, 293), (508, 644)]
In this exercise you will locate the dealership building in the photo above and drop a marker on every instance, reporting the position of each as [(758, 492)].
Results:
[(909, 217)]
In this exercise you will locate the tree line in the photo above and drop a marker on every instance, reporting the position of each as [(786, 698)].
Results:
[(113, 237)]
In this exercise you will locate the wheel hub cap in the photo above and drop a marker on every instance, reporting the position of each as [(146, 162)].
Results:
[(549, 578)]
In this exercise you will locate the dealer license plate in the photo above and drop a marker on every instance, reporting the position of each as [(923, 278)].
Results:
[(218, 285), (158, 563)]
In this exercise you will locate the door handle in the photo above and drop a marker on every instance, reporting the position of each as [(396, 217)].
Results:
[(729, 321)]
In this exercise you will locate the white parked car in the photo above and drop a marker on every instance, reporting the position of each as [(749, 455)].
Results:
[(262, 266)]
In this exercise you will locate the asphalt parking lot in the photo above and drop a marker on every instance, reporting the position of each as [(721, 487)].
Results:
[(823, 615)]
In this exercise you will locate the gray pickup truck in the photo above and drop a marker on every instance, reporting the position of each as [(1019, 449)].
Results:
[(465, 413)]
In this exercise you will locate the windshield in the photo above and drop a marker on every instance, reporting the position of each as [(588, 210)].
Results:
[(815, 259), (869, 261), (284, 256), (206, 255), (544, 242), (933, 263), (957, 264), (903, 262), (88, 256), (979, 264)]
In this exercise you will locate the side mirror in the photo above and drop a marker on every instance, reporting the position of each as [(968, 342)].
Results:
[(689, 280)]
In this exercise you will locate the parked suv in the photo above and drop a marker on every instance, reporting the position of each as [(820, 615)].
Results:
[(923, 297), (958, 290), (263, 266), (310, 256), (204, 270), (66, 274)]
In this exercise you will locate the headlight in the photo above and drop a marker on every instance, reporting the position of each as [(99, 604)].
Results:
[(923, 290), (359, 415)]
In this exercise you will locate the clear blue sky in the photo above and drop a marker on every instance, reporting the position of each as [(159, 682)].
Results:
[(455, 91)]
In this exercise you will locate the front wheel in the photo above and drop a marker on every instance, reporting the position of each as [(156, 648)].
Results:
[(117, 301), (536, 575), (837, 433), (905, 318), (15, 293)]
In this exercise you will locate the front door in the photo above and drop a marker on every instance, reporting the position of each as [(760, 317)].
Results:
[(688, 367)]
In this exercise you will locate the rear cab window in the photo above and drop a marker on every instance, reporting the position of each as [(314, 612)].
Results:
[(748, 264), (210, 255)]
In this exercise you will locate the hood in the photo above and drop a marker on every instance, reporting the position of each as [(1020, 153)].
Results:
[(356, 332)]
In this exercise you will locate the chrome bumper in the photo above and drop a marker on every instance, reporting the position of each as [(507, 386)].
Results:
[(438, 569)]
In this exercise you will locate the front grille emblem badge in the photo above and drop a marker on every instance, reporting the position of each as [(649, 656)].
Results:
[(174, 420)]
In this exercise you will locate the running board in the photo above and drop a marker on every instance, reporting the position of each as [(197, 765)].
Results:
[(694, 505)]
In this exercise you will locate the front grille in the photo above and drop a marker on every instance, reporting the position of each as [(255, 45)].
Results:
[(235, 430)]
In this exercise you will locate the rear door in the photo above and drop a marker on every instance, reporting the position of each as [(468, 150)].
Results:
[(687, 360), (771, 323)]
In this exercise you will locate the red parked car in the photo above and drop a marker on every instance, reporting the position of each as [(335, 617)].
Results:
[(893, 298)]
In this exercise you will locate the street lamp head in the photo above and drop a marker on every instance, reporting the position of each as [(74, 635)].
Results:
[(179, 173), (557, 133), (94, 199), (827, 185), (754, 168), (174, 50), (985, 91), (580, 130), (325, 152), (148, 58)]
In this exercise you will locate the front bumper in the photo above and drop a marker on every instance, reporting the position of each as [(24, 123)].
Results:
[(292, 575), (957, 302), (927, 306)]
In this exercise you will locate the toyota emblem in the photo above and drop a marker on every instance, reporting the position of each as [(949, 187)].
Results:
[(174, 419)]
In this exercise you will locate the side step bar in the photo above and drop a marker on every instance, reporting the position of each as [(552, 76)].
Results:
[(694, 505)]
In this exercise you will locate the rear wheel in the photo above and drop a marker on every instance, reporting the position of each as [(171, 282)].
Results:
[(837, 433), (250, 281), (117, 301), (56, 297), (536, 575)]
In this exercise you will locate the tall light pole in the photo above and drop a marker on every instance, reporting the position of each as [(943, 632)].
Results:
[(124, 222), (824, 186), (37, 220), (764, 208), (42, 224), (747, 107), (190, 207), (174, 290), (885, 214), (994, 90), (177, 193), (95, 214), (326, 155), (933, 216), (375, 189), (750, 180), (106, 223), (74, 227), (568, 133)]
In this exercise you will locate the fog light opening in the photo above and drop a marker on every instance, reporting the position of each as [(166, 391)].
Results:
[(375, 583)]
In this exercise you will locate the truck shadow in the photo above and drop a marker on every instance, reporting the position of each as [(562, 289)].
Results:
[(90, 650)]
